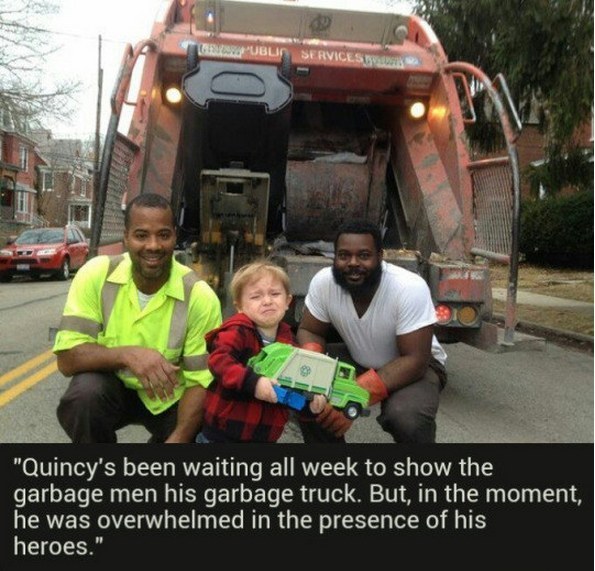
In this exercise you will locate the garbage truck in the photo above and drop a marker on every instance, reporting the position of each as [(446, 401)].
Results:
[(269, 123)]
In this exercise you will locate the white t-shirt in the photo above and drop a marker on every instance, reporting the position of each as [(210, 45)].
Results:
[(402, 304)]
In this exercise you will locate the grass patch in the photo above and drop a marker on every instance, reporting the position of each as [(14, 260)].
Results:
[(567, 284)]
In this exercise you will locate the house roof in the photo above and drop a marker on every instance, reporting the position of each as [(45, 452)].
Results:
[(20, 187), (61, 152)]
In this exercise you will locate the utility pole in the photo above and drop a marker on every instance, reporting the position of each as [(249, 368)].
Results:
[(95, 231)]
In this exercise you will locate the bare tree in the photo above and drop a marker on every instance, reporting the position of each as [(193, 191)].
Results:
[(26, 92)]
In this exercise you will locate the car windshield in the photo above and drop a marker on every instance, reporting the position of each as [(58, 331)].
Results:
[(41, 236)]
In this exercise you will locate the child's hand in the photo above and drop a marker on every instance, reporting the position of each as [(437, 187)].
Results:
[(317, 404), (264, 389)]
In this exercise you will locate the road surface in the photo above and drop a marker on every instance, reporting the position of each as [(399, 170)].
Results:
[(531, 396)]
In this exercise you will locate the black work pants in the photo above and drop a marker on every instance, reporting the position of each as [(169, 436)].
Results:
[(96, 405)]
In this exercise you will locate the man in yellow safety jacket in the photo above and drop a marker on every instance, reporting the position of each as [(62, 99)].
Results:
[(132, 336)]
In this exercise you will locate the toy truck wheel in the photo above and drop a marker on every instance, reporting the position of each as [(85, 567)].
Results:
[(352, 410)]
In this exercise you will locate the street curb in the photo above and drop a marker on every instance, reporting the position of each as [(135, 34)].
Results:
[(537, 328)]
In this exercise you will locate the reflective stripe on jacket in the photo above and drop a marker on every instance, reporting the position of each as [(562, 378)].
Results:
[(102, 307)]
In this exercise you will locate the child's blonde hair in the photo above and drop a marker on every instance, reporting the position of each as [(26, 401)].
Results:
[(253, 271)]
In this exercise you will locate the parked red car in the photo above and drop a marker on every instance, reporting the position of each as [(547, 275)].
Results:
[(37, 251)]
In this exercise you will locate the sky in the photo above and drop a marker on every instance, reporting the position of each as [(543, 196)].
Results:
[(77, 28)]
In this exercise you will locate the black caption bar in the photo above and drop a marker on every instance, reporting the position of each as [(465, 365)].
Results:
[(73, 507)]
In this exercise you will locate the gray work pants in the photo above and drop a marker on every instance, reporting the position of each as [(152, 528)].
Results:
[(96, 405)]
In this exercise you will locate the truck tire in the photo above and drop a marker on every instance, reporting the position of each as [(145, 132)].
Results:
[(352, 410)]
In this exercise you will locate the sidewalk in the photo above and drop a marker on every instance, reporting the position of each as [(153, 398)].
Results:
[(528, 298), (525, 298)]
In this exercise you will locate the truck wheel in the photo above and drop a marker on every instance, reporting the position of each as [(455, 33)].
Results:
[(352, 410)]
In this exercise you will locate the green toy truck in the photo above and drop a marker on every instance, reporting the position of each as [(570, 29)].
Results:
[(309, 373)]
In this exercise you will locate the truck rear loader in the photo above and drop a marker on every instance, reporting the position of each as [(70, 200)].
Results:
[(269, 123)]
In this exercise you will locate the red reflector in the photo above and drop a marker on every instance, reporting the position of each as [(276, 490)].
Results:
[(443, 314)]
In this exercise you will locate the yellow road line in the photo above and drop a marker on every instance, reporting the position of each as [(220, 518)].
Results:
[(25, 367), (21, 387)]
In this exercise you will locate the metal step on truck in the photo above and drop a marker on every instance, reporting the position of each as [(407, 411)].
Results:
[(269, 123)]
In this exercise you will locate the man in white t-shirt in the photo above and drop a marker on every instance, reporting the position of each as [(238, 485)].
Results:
[(385, 316)]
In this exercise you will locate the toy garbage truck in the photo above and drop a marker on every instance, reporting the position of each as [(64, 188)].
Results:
[(308, 373)]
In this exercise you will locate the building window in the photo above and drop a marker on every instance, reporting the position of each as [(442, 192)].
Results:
[(83, 187), (80, 214), (6, 192), (47, 181), (22, 204), (1, 148), (24, 157)]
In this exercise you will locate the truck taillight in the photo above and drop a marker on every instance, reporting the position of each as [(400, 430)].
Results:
[(457, 315), (467, 315), (443, 314)]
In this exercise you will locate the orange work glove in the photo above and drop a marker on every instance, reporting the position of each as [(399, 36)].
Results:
[(371, 381), (334, 421), (312, 346)]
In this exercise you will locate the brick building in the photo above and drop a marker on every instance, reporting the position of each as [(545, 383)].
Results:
[(43, 181), (19, 163), (65, 189)]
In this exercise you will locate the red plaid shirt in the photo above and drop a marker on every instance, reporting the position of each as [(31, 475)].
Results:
[(232, 413)]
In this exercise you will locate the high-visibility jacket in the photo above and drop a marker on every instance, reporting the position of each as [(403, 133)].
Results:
[(102, 307)]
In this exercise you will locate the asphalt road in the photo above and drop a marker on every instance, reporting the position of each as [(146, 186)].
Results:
[(522, 396)]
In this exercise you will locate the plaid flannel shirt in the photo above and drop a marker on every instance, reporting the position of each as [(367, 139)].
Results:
[(232, 413)]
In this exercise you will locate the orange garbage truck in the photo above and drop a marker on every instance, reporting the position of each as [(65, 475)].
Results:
[(269, 123)]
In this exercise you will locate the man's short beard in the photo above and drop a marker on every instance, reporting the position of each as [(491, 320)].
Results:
[(367, 287)]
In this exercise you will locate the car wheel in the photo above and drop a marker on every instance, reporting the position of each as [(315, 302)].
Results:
[(352, 410), (64, 272), (5, 278)]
